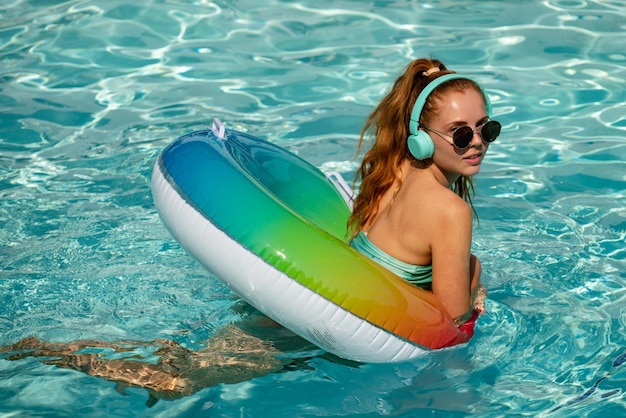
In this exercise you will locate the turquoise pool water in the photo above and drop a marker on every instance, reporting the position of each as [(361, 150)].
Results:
[(91, 91)]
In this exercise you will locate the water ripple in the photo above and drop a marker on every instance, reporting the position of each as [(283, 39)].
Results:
[(91, 91)]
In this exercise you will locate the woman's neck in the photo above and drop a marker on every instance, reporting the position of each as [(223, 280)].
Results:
[(445, 179)]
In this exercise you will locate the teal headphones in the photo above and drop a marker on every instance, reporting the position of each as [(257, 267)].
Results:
[(420, 144)]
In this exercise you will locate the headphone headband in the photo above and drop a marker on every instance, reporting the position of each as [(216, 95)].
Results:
[(430, 87)]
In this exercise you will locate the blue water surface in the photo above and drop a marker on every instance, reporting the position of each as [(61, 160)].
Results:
[(91, 91)]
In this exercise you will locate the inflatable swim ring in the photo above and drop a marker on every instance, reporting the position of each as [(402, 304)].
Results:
[(272, 227)]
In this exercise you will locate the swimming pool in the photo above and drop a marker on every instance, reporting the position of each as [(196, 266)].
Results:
[(92, 91)]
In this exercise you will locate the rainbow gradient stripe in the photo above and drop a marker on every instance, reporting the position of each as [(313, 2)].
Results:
[(273, 228)]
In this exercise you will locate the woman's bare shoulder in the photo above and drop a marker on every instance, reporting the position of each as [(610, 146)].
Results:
[(434, 197)]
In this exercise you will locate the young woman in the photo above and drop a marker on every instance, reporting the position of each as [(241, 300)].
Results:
[(413, 213)]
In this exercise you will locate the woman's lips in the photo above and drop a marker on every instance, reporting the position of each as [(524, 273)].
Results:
[(474, 158)]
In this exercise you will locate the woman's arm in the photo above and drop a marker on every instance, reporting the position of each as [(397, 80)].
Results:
[(456, 272), (479, 292)]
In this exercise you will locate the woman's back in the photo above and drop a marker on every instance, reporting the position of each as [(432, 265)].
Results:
[(409, 218)]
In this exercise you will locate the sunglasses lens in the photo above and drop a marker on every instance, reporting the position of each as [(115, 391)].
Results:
[(490, 131), (463, 137)]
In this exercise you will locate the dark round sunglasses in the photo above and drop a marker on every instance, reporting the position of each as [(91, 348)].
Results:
[(462, 136)]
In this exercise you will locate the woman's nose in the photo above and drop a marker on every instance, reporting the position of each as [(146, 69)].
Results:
[(478, 135)]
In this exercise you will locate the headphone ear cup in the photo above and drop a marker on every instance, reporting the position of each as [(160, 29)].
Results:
[(421, 145)]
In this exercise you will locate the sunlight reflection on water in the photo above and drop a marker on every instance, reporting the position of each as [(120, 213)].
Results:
[(91, 92)]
